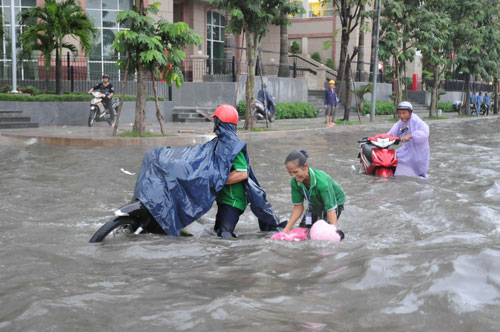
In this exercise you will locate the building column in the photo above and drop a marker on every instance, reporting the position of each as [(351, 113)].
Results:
[(199, 66), (304, 47)]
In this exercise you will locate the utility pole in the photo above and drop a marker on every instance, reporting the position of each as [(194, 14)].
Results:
[(375, 65)]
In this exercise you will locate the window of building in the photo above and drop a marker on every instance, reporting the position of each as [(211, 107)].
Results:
[(25, 69), (216, 24), (315, 8), (103, 13)]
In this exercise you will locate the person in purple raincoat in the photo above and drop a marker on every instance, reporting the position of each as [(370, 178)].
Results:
[(414, 155)]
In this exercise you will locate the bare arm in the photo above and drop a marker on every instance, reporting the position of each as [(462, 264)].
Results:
[(236, 176), (296, 214), (91, 90), (332, 217)]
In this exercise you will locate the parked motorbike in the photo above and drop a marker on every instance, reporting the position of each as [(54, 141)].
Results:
[(484, 109), (97, 110), (132, 218), (259, 113), (376, 157)]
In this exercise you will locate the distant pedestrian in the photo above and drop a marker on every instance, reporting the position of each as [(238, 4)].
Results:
[(479, 101), (331, 104)]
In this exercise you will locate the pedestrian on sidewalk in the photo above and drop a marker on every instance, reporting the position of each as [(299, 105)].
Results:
[(331, 104)]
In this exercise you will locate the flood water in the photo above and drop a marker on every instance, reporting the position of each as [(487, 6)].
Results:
[(418, 255)]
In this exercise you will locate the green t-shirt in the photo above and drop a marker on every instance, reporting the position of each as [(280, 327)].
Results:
[(325, 193), (234, 194)]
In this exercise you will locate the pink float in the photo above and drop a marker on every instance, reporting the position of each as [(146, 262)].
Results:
[(321, 230), (296, 234)]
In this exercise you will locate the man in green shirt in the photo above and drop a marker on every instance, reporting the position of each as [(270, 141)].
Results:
[(325, 197), (231, 200)]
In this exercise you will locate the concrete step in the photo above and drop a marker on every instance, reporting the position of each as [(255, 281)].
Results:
[(4, 113), (16, 125), (15, 119)]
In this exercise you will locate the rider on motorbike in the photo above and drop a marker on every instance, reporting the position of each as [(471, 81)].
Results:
[(269, 100), (414, 155), (106, 88)]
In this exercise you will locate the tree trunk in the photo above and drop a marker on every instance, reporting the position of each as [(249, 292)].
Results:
[(348, 89), (467, 94), (361, 48), (158, 113), (122, 97), (284, 70), (250, 82), (495, 95), (434, 93), (399, 85), (343, 55), (140, 103), (58, 73)]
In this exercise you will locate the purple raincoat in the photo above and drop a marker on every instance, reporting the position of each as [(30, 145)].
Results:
[(414, 155)]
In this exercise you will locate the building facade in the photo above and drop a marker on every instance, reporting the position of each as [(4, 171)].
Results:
[(314, 30)]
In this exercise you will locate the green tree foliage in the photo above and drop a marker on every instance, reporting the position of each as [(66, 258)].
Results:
[(252, 18), (398, 26), (476, 40), (433, 40), (154, 47), (47, 26)]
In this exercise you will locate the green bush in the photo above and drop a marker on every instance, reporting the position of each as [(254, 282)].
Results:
[(30, 89), (67, 97), (446, 106), (294, 48), (330, 63), (297, 110), (316, 56), (6, 88), (381, 108)]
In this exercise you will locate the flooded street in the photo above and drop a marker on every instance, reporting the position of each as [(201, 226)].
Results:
[(419, 255)]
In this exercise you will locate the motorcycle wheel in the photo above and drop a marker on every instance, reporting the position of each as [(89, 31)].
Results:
[(125, 225), (92, 116)]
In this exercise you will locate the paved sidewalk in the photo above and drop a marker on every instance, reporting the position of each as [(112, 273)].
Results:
[(181, 134)]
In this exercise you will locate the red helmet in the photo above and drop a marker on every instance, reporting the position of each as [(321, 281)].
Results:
[(226, 113)]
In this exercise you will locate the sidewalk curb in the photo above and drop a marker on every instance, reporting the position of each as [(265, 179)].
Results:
[(43, 135)]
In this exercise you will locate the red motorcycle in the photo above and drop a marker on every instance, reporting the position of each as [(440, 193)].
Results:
[(376, 157)]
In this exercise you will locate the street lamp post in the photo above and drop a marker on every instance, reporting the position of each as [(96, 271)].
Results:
[(13, 37), (375, 65)]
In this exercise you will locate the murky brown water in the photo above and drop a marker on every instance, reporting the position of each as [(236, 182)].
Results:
[(418, 255)]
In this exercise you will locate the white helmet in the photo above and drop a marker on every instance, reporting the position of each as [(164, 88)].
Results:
[(404, 105)]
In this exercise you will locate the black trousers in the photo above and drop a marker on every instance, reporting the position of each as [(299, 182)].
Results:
[(108, 104), (226, 219)]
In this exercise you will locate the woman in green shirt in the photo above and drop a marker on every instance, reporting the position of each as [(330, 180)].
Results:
[(325, 197)]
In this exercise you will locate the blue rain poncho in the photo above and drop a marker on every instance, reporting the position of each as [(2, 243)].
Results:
[(179, 185), (414, 155)]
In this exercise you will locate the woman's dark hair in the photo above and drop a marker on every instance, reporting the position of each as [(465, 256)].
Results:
[(297, 156)]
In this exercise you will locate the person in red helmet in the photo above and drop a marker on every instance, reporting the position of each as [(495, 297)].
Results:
[(231, 200), (179, 185)]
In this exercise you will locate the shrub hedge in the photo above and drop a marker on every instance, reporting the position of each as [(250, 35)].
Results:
[(446, 106), (297, 110), (381, 108), (61, 98)]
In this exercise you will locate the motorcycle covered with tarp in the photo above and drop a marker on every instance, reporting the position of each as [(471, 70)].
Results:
[(176, 186)]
